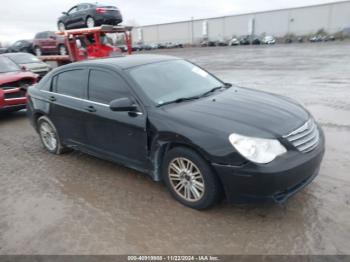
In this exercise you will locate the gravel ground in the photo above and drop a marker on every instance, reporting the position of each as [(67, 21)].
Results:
[(77, 204)]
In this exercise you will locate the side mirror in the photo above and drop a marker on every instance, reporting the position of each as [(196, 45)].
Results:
[(65, 13), (52, 37), (23, 68), (228, 84), (123, 105)]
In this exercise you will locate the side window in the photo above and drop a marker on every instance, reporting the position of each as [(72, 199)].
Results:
[(82, 7), (105, 87), (44, 35), (71, 83), (73, 10)]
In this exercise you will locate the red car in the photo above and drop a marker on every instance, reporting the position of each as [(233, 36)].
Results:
[(49, 43), (13, 85)]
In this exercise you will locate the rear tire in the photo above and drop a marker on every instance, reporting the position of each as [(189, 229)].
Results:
[(49, 136), (90, 22), (190, 179)]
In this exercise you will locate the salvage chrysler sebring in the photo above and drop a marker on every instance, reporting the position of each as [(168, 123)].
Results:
[(178, 123)]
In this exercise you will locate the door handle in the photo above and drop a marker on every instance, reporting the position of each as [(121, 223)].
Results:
[(90, 109), (52, 98)]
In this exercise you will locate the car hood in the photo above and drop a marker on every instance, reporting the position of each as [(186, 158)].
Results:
[(243, 111), (15, 76)]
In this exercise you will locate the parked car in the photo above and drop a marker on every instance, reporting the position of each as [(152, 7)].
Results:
[(269, 40), (288, 40), (316, 38), (21, 46), (3, 50), (256, 40), (14, 82), (29, 62), (244, 40), (154, 46), (89, 15), (48, 42), (234, 41), (178, 123), (136, 47), (123, 48), (178, 45), (221, 43), (145, 47), (206, 43)]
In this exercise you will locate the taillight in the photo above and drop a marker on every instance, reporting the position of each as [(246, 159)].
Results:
[(101, 10)]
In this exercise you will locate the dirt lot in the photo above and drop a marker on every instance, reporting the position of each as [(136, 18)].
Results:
[(77, 204)]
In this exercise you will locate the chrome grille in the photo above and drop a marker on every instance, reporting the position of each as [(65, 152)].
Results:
[(306, 137)]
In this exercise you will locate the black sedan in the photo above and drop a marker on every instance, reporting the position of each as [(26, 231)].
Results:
[(179, 124), (89, 15), (21, 46)]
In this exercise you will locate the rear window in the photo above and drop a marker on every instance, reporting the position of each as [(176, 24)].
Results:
[(71, 83)]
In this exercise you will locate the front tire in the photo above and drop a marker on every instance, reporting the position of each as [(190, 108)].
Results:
[(90, 22), (49, 136), (37, 51), (61, 26), (190, 179)]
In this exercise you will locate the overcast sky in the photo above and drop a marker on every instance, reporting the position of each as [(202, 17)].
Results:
[(21, 19)]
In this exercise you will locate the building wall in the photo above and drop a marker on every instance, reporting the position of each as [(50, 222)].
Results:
[(332, 17)]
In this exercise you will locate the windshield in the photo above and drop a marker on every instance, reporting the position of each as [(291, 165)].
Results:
[(168, 81), (6, 65), (24, 58)]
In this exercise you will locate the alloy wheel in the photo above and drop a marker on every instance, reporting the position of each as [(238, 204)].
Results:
[(186, 179), (90, 22), (48, 136)]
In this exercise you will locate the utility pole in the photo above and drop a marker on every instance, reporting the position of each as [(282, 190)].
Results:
[(192, 32)]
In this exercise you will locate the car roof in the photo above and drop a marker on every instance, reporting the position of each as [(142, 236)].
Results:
[(130, 61)]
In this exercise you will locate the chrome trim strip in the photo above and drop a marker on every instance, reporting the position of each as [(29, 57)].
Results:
[(14, 99), (85, 100)]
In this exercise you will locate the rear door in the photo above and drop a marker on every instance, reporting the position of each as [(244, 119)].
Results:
[(71, 17), (68, 111), (81, 14), (118, 135), (51, 42)]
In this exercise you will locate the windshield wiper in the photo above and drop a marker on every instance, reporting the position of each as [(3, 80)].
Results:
[(226, 86), (179, 100), (184, 99)]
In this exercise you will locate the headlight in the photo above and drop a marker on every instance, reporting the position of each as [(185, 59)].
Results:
[(257, 150)]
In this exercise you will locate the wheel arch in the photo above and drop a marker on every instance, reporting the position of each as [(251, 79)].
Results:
[(160, 148)]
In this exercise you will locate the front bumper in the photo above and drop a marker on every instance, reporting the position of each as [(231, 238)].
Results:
[(276, 181), (12, 99)]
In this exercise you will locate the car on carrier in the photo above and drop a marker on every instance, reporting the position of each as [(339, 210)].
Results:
[(48, 42), (21, 46), (29, 62), (176, 122), (14, 82), (89, 15)]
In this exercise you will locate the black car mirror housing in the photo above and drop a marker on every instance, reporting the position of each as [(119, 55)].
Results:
[(123, 105)]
